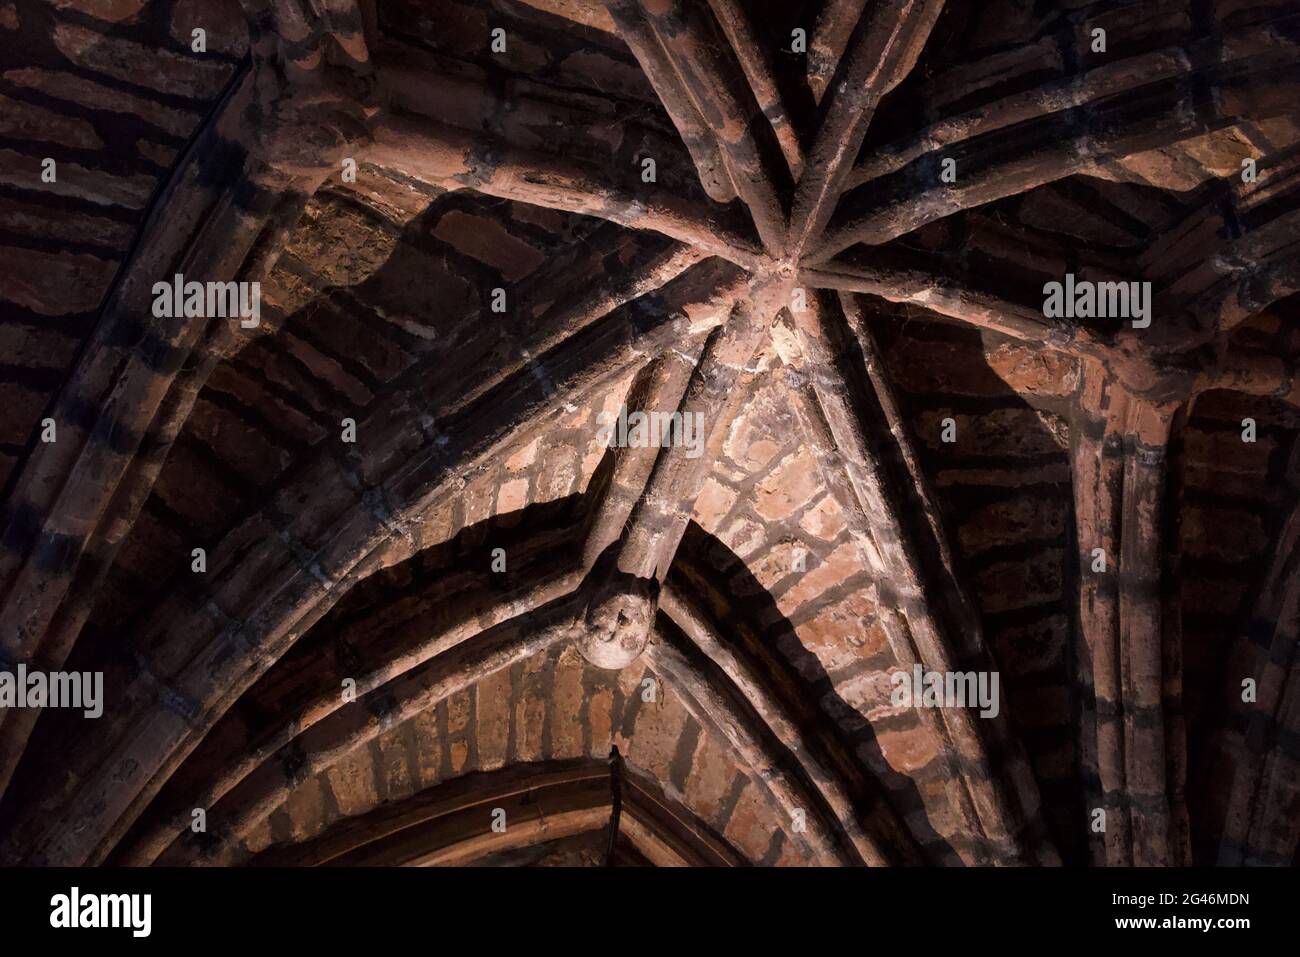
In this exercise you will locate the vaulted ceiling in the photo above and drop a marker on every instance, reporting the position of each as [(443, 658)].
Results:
[(429, 593)]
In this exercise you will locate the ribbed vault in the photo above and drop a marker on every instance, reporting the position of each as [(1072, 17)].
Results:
[(705, 207)]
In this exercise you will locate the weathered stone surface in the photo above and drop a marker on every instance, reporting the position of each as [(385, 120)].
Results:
[(789, 487), (161, 70), (826, 540), (91, 95), (20, 120), (713, 504), (77, 182), (53, 284)]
